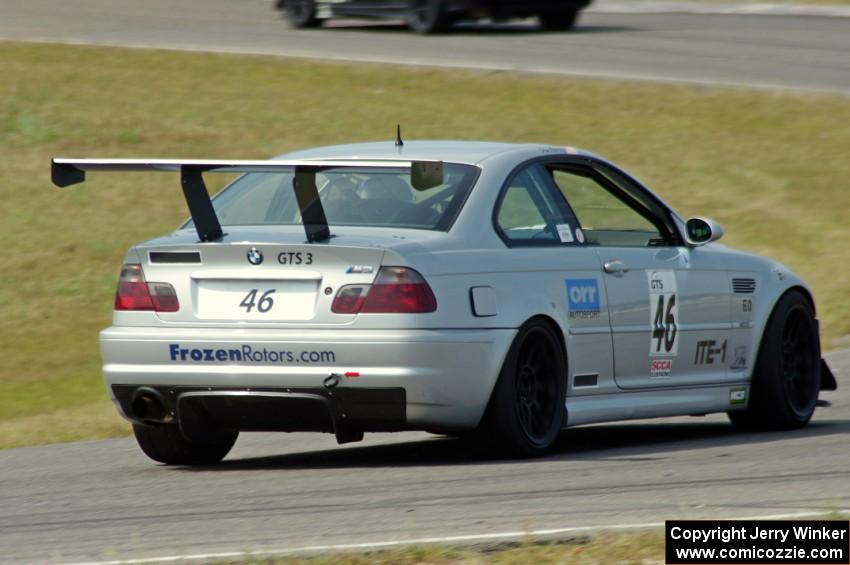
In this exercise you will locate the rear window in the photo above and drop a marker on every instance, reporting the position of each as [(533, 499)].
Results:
[(350, 197)]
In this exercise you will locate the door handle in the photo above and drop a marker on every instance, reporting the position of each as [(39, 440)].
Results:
[(615, 267)]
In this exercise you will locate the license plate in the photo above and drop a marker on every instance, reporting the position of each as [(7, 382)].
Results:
[(260, 300)]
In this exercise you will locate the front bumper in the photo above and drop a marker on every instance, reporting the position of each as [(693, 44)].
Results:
[(444, 377)]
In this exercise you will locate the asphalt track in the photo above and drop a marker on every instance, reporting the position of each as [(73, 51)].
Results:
[(799, 52), (101, 501)]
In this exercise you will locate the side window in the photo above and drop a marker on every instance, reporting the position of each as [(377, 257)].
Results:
[(607, 217), (531, 214)]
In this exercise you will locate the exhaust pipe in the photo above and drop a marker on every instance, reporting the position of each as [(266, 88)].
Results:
[(148, 406)]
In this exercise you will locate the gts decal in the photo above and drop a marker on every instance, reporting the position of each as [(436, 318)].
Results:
[(294, 258)]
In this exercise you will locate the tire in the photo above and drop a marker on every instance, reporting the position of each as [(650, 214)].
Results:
[(786, 377), (558, 20), (527, 407), (167, 445), (428, 16), (302, 14)]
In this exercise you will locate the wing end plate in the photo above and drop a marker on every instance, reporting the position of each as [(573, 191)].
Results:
[(63, 174)]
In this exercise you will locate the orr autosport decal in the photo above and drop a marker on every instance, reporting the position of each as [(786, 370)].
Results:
[(246, 354), (663, 313), (583, 298)]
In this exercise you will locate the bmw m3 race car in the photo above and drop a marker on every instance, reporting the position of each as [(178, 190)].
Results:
[(494, 291)]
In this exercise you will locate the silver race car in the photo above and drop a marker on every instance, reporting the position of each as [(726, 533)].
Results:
[(494, 291), (429, 16)]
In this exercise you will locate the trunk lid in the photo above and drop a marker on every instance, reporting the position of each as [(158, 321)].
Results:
[(258, 278)]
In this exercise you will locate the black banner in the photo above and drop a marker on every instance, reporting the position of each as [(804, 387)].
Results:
[(760, 542)]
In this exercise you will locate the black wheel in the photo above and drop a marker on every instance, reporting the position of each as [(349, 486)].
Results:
[(167, 445), (302, 13), (786, 377), (558, 20), (526, 410), (428, 16)]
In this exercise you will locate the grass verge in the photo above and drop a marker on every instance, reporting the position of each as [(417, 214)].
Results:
[(642, 548), (788, 2), (771, 167)]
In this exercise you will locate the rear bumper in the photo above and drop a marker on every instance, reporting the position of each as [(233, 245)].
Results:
[(345, 412), (442, 378)]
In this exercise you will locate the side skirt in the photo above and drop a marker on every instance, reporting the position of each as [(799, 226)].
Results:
[(656, 404)]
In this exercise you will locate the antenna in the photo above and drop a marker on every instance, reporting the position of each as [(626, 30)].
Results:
[(398, 141)]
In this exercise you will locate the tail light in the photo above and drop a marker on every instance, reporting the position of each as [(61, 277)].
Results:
[(134, 293), (350, 299), (396, 290)]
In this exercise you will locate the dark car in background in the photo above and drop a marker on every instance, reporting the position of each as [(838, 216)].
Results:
[(430, 16)]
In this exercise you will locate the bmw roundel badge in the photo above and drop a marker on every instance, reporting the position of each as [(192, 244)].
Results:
[(255, 256)]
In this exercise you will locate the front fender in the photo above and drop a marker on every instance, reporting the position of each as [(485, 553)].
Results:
[(776, 281)]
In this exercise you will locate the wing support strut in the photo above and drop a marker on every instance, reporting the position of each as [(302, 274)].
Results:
[(199, 203), (312, 212)]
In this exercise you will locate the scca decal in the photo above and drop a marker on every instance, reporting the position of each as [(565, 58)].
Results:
[(583, 298), (661, 368)]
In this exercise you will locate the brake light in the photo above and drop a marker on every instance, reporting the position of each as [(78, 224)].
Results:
[(402, 290), (135, 294), (396, 290)]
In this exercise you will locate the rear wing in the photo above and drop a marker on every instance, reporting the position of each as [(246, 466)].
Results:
[(67, 172)]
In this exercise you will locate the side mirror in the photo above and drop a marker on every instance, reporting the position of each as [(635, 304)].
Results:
[(699, 231)]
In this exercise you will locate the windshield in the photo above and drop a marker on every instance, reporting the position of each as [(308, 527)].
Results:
[(350, 196)]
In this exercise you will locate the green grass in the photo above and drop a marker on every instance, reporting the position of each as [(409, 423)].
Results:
[(789, 2), (771, 167), (641, 547), (621, 548)]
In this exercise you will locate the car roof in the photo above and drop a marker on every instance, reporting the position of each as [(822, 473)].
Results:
[(469, 152)]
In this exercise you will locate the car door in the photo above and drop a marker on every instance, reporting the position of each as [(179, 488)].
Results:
[(669, 304), (535, 222)]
